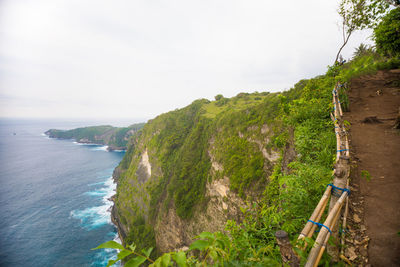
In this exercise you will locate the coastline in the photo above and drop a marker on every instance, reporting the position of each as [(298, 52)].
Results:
[(88, 142), (114, 217)]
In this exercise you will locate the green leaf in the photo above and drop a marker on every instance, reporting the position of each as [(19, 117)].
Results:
[(110, 244), (199, 244), (135, 262), (165, 259), (147, 252), (123, 254), (111, 262), (162, 261), (157, 263), (180, 258), (205, 235), (132, 246)]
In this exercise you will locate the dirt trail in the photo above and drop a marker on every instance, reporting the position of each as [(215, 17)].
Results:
[(376, 149)]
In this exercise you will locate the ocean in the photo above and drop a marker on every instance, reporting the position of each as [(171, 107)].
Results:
[(54, 197)]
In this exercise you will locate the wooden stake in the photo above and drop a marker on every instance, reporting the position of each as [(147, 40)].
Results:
[(287, 253)]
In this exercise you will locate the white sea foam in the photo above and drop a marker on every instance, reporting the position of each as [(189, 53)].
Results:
[(95, 217), (101, 148)]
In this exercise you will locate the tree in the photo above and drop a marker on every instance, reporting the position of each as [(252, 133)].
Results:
[(218, 97), (387, 34), (359, 15), (354, 17)]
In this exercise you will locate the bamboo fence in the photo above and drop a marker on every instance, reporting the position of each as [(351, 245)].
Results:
[(337, 193)]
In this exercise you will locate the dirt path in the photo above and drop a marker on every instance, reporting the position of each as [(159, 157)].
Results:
[(376, 149)]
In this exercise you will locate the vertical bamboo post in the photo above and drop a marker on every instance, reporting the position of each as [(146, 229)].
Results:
[(347, 146), (344, 223), (338, 102), (288, 255)]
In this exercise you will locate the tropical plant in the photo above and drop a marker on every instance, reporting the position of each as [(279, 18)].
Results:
[(362, 50)]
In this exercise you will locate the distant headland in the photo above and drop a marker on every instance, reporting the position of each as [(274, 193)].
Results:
[(115, 138)]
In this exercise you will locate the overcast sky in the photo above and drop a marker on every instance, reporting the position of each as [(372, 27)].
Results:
[(137, 59)]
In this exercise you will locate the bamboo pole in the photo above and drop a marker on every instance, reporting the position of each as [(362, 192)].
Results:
[(324, 231), (321, 252), (347, 146), (341, 174), (317, 220), (344, 223), (342, 169), (338, 141), (338, 103), (316, 215)]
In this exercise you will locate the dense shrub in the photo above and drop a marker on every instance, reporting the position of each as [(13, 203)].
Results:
[(387, 34)]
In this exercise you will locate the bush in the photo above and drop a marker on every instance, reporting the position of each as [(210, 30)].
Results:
[(387, 34), (218, 97)]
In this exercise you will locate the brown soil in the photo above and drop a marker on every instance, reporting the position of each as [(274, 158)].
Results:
[(375, 145)]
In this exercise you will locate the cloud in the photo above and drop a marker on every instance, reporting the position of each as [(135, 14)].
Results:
[(141, 58)]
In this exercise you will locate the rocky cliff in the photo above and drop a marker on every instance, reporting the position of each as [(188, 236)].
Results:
[(193, 169)]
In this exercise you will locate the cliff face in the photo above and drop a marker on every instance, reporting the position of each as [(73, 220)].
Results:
[(116, 138), (192, 170)]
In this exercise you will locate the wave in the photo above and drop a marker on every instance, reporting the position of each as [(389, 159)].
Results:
[(94, 217), (104, 255), (119, 150), (102, 148), (85, 144)]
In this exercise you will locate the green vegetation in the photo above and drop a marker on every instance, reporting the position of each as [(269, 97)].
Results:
[(366, 175), (115, 137), (92, 133), (387, 34)]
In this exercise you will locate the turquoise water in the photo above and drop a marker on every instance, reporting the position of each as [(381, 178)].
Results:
[(54, 197)]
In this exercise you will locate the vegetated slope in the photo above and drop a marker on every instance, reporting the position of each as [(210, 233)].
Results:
[(374, 107), (193, 169), (116, 138)]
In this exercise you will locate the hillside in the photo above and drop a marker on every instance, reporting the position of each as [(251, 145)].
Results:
[(116, 138), (247, 166)]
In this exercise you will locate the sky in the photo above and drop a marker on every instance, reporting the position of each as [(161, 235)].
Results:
[(137, 59)]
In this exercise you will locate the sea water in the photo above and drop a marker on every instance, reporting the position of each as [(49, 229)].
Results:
[(54, 197)]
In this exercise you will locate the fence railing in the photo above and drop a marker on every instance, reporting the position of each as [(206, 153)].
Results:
[(337, 192)]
